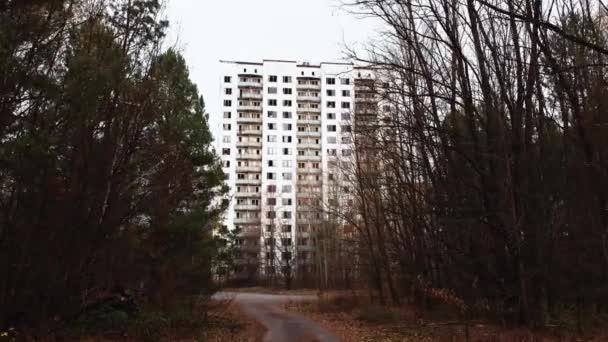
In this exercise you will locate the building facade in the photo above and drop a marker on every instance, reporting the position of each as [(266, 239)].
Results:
[(285, 129)]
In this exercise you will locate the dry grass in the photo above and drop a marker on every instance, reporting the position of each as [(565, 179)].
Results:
[(231, 324), (267, 290), (354, 319)]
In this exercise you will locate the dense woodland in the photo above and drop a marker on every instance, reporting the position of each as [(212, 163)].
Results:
[(480, 182), (107, 179), (483, 182)]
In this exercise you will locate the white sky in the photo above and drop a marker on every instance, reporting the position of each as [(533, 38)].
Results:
[(252, 30)]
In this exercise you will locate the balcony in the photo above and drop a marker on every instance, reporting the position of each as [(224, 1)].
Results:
[(248, 181), (249, 156), (308, 110), (249, 144), (309, 134), (249, 120), (250, 96), (247, 195), (308, 220), (309, 158), (247, 220), (251, 232), (309, 146), (316, 122), (256, 169), (309, 86), (309, 182), (250, 84), (250, 132), (247, 207), (308, 98), (249, 108), (309, 170)]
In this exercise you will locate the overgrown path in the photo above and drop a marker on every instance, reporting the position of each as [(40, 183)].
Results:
[(281, 325)]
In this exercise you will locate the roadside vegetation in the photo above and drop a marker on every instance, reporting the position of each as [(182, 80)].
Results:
[(110, 192), (355, 318)]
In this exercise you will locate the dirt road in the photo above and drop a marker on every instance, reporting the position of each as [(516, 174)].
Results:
[(282, 326)]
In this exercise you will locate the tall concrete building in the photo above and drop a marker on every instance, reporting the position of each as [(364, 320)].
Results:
[(285, 128)]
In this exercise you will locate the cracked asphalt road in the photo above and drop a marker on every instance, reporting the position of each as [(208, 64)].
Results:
[(282, 326)]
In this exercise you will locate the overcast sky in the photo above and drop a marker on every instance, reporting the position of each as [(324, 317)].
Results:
[(252, 30)]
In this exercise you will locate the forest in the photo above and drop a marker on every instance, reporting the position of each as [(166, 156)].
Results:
[(479, 179), (108, 184)]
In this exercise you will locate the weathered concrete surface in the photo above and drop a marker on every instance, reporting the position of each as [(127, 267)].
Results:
[(282, 326)]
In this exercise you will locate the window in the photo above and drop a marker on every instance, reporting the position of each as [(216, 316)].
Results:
[(286, 152), (271, 188), (287, 214), (286, 228), (286, 201), (287, 138), (345, 105), (271, 138), (226, 139), (287, 103), (226, 163), (330, 80), (286, 163), (272, 102), (346, 140), (345, 128), (345, 81), (270, 163), (346, 153), (331, 151), (287, 175), (331, 140), (301, 165), (270, 175), (331, 92), (315, 165), (227, 79), (345, 116), (271, 201), (272, 126), (272, 114), (271, 214), (272, 78), (226, 127), (287, 79), (345, 92), (271, 150), (228, 91), (227, 115), (300, 152), (331, 104), (287, 127), (227, 103), (226, 151), (331, 128), (287, 91), (331, 116), (286, 115), (272, 90)]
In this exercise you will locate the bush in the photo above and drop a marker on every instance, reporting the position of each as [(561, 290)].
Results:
[(338, 303), (377, 314)]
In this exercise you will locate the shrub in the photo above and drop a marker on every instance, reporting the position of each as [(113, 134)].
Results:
[(377, 314)]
